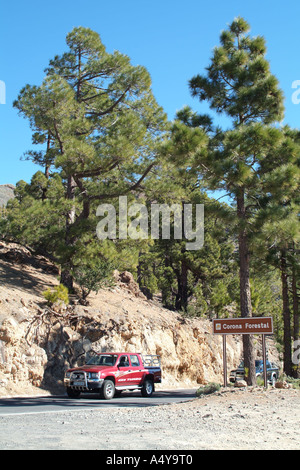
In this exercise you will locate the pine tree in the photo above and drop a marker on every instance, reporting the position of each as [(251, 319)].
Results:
[(277, 243), (239, 84), (101, 125)]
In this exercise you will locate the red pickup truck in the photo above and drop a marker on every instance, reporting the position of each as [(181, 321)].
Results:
[(110, 373)]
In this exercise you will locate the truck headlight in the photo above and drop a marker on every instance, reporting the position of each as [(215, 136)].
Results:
[(67, 375), (94, 375)]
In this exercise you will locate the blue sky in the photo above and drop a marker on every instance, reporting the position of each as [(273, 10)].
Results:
[(173, 39)]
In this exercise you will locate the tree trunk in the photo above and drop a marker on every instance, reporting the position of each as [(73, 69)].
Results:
[(66, 277), (295, 314), (295, 305), (47, 164), (287, 347), (182, 291), (245, 293)]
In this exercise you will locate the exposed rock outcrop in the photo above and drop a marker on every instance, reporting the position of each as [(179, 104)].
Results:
[(36, 346)]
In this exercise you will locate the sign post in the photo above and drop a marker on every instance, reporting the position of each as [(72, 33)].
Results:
[(224, 361), (244, 326), (264, 360)]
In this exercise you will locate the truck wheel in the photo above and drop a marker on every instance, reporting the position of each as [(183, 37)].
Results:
[(73, 393), (273, 380), (148, 388), (108, 390)]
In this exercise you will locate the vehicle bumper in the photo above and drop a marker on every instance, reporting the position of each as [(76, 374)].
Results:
[(86, 385), (235, 376)]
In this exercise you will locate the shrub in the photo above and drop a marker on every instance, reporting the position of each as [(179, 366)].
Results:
[(59, 294), (260, 382), (92, 278), (207, 389), (293, 382)]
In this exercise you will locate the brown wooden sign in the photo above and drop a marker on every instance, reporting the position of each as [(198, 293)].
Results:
[(243, 326)]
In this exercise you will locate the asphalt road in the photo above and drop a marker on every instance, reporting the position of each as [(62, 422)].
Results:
[(44, 404)]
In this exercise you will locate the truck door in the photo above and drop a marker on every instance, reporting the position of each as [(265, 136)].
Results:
[(137, 369), (124, 371)]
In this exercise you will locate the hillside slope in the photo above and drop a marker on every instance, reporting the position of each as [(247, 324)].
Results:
[(37, 345)]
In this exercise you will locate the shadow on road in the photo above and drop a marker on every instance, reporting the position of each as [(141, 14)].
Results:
[(52, 403)]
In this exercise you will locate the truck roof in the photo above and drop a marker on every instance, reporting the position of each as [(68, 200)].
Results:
[(114, 352)]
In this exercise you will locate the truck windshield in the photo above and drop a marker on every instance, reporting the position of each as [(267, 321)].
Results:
[(103, 360), (258, 363)]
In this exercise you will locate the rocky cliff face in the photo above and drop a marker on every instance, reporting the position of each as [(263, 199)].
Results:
[(6, 193), (37, 345)]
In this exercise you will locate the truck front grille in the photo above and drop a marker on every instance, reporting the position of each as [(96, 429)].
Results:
[(78, 380), (78, 376)]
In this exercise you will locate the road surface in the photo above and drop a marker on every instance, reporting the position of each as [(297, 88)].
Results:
[(229, 419), (42, 404)]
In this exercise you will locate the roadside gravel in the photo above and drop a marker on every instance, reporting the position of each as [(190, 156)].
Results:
[(230, 419)]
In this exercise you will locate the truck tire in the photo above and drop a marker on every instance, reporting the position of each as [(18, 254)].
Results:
[(73, 393), (148, 388), (273, 380), (108, 390)]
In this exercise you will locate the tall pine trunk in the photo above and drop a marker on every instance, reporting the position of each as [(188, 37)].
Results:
[(245, 293), (287, 347), (182, 291), (295, 313), (295, 305), (66, 277)]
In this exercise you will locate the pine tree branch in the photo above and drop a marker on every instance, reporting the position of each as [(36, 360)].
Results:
[(112, 107), (97, 171), (127, 190)]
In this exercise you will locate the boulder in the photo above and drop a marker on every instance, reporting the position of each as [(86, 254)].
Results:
[(240, 383), (282, 384)]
